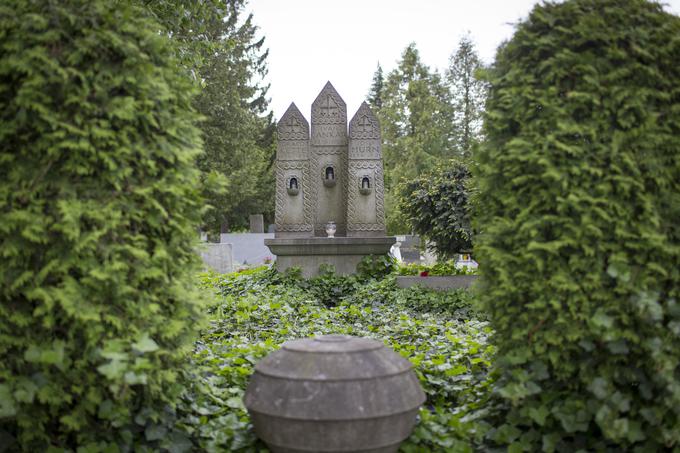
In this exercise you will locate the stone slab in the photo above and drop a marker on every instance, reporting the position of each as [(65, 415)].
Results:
[(256, 223), (342, 253), (217, 257), (440, 283), (410, 256), (409, 241), (409, 251), (248, 248)]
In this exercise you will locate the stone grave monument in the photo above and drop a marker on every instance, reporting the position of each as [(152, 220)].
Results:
[(329, 188), (256, 223), (409, 248), (218, 257)]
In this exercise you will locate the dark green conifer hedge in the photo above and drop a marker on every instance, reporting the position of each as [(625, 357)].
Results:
[(579, 221), (99, 199)]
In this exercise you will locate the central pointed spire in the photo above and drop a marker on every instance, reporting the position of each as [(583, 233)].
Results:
[(328, 107)]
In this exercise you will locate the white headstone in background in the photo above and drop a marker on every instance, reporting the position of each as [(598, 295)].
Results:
[(218, 257), (410, 248), (249, 248)]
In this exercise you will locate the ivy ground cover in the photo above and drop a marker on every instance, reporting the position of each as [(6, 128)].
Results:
[(254, 312)]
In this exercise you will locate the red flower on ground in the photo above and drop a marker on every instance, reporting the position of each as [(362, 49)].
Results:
[(424, 273)]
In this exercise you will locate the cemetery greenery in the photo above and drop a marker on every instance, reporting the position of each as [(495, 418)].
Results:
[(109, 341), (427, 118), (254, 311), (437, 206), (219, 48), (439, 269), (99, 202), (579, 202)]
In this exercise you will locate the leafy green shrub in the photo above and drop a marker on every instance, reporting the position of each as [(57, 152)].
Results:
[(437, 207), (246, 280), (449, 350), (578, 208), (438, 269), (98, 206), (329, 288), (376, 267)]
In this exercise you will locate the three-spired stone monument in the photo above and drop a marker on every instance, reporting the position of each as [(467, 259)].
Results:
[(329, 188)]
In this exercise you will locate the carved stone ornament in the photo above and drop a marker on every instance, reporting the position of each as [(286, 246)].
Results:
[(336, 214), (364, 124), (337, 167), (358, 170), (302, 167), (365, 185), (293, 185), (329, 177), (293, 125), (328, 107)]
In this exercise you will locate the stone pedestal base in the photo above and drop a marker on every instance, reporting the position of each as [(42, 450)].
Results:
[(342, 253)]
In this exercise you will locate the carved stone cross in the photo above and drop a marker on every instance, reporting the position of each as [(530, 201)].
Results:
[(293, 124), (329, 107), (365, 124)]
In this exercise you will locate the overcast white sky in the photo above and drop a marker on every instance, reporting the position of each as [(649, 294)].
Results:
[(313, 41)]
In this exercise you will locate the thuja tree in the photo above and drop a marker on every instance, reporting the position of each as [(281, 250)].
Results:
[(98, 206), (580, 242), (437, 205)]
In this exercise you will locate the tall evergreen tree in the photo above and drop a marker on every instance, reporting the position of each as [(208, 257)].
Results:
[(222, 48), (375, 93), (578, 207), (413, 116), (415, 119), (187, 23), (468, 94), (235, 128), (99, 202)]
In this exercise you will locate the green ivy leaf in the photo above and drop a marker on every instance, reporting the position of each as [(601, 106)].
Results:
[(539, 414), (599, 388), (113, 370), (155, 432), (145, 344), (7, 408)]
